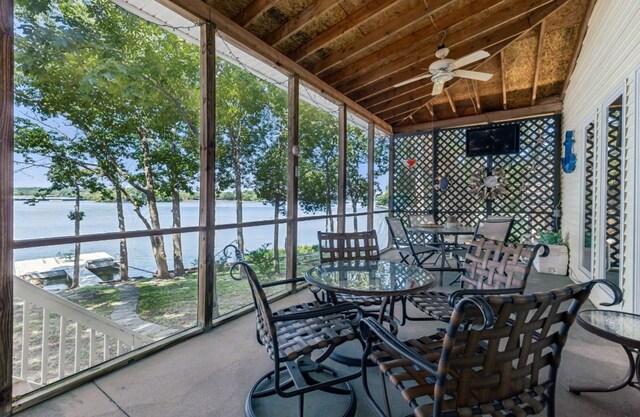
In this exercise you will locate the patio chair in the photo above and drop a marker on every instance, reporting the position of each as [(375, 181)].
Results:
[(506, 364), (495, 228), (298, 339), (491, 268), (409, 253), (352, 246)]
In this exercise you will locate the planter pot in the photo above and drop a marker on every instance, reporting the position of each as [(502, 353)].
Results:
[(557, 263)]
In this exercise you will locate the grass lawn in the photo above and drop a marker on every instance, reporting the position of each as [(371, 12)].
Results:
[(169, 302), (100, 299)]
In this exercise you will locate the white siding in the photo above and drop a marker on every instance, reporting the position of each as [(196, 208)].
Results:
[(608, 62)]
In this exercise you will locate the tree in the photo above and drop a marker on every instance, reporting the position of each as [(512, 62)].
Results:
[(357, 158), (318, 182), (241, 113), (58, 153), (127, 86)]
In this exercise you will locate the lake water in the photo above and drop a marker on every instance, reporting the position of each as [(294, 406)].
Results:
[(49, 219)]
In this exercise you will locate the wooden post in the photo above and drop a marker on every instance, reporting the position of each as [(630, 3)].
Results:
[(370, 175), (292, 177), (342, 167), (207, 295), (392, 175), (6, 206)]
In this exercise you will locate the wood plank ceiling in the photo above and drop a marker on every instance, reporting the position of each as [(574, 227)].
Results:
[(365, 47)]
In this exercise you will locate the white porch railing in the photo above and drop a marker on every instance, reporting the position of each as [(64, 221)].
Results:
[(78, 339)]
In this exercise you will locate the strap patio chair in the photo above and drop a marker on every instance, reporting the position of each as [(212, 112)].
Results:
[(505, 364), (350, 246), (491, 268), (495, 228), (409, 252), (298, 339)]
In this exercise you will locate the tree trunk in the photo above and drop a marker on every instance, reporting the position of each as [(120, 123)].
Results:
[(237, 174), (124, 253), (276, 238), (354, 209), (76, 258), (178, 262), (157, 242)]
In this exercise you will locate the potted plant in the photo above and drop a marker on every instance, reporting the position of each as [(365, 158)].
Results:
[(557, 262)]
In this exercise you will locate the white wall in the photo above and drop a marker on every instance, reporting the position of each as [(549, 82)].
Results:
[(608, 62)]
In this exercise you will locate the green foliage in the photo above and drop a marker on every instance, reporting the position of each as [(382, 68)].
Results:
[(551, 238), (262, 260)]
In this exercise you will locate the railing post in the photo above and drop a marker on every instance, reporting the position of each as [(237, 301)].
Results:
[(6, 206), (207, 297)]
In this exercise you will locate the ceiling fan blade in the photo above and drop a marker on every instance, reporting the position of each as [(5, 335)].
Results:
[(410, 80), (437, 88), (468, 59), (473, 75)]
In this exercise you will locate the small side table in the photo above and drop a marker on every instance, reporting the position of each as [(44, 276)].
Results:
[(618, 327)]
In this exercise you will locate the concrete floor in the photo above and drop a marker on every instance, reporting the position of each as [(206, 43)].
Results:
[(210, 375)]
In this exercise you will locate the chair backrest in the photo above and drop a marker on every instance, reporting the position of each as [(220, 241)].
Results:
[(398, 232), (496, 265), (266, 330), (352, 246), (516, 351), (418, 219), (494, 228)]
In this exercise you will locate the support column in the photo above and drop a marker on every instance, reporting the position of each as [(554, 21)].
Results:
[(6, 205), (342, 167), (292, 176), (370, 174), (207, 294)]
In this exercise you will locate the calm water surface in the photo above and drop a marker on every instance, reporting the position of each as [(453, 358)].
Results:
[(49, 219)]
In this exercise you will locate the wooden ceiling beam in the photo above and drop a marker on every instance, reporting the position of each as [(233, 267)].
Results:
[(503, 77), (230, 31), (402, 52), (576, 53), (534, 89), (487, 33), (451, 103), (476, 95), (299, 21), (252, 12), (362, 15), (485, 118), (383, 33)]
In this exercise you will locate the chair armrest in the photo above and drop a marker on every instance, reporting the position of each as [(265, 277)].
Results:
[(283, 282), (456, 295), (370, 327), (321, 311), (617, 292)]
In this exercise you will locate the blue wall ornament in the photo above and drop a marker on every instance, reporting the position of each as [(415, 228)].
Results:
[(569, 158)]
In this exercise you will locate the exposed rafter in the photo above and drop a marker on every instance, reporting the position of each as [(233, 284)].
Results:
[(503, 76), (534, 90), (451, 103), (474, 84), (380, 80), (384, 33), (252, 12), (362, 15), (299, 21)]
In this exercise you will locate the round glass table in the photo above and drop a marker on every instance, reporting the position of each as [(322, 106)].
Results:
[(619, 327), (383, 279)]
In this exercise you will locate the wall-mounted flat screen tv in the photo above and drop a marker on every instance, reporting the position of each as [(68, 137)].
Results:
[(494, 140)]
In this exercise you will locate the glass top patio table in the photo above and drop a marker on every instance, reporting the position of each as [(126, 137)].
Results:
[(443, 230), (371, 278)]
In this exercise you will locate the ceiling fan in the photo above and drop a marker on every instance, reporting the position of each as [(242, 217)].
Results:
[(445, 69)]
